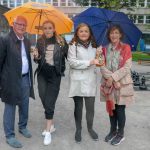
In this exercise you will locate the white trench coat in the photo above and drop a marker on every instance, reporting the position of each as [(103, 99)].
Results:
[(83, 77)]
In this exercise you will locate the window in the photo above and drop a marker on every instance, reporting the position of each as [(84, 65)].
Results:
[(48, 1), (132, 3), (12, 3), (62, 2), (94, 3), (25, 1), (19, 2), (40, 1), (141, 3), (71, 3), (140, 19), (148, 19), (148, 3), (133, 18), (5, 3), (55, 2), (146, 38)]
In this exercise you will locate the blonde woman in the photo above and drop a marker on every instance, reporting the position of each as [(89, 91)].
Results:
[(50, 56)]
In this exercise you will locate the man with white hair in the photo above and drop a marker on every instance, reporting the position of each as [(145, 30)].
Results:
[(16, 80)]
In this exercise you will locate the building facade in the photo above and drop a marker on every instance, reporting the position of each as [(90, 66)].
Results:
[(57, 3), (140, 15)]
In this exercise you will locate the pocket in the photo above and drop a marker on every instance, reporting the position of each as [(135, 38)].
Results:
[(127, 90), (77, 75)]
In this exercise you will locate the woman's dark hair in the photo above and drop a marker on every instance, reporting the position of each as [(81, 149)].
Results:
[(76, 38), (112, 28)]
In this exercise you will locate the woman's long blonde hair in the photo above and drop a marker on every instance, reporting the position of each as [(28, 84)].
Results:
[(59, 39)]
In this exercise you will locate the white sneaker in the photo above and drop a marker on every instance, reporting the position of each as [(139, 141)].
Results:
[(53, 129), (47, 138)]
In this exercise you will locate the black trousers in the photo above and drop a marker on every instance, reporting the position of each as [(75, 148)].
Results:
[(118, 120), (89, 105), (49, 90)]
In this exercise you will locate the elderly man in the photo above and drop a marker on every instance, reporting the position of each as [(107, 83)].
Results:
[(16, 80)]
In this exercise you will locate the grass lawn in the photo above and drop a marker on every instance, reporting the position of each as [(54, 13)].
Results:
[(139, 55)]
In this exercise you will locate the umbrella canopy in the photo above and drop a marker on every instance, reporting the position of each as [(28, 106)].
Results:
[(37, 13), (100, 20)]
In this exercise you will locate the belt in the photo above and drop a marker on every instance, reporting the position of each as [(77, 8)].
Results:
[(23, 75)]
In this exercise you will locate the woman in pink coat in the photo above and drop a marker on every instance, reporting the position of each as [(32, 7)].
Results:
[(116, 84)]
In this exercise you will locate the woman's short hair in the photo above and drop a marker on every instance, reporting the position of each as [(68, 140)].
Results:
[(76, 38), (115, 27)]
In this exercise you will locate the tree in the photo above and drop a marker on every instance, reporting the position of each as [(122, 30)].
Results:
[(108, 4)]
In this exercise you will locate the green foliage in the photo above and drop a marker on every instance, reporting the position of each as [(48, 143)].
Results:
[(139, 55), (108, 4)]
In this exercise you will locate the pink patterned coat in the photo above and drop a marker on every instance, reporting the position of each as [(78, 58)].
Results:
[(124, 95)]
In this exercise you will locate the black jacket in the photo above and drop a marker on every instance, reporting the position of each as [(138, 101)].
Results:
[(11, 68), (59, 55)]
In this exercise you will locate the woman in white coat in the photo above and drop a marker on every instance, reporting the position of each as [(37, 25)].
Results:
[(81, 57)]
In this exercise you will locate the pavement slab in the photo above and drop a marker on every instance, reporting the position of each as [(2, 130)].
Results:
[(137, 130)]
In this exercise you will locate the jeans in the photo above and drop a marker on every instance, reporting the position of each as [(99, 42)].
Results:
[(9, 110)]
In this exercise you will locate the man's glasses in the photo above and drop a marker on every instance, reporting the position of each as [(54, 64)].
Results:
[(20, 24)]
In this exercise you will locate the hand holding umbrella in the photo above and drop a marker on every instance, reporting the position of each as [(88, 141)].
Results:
[(36, 53)]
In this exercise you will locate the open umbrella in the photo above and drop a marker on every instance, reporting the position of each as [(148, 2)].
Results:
[(37, 13), (100, 20)]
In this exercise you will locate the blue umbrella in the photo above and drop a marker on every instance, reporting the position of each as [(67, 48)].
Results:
[(100, 20)]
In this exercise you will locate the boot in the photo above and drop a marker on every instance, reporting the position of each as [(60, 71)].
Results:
[(78, 136), (78, 130), (78, 118), (92, 133), (89, 103)]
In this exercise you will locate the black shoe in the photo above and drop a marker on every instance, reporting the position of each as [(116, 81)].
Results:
[(110, 136), (78, 136), (93, 134), (118, 139)]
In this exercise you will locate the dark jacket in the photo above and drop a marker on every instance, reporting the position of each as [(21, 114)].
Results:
[(59, 55), (11, 68)]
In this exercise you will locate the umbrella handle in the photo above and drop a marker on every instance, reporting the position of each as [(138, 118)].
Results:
[(103, 37), (109, 24)]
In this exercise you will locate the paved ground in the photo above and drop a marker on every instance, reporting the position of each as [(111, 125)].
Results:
[(137, 129)]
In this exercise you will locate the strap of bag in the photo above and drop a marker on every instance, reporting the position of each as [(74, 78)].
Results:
[(43, 61)]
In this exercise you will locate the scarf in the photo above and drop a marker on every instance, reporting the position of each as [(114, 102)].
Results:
[(84, 44), (124, 53), (51, 40)]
